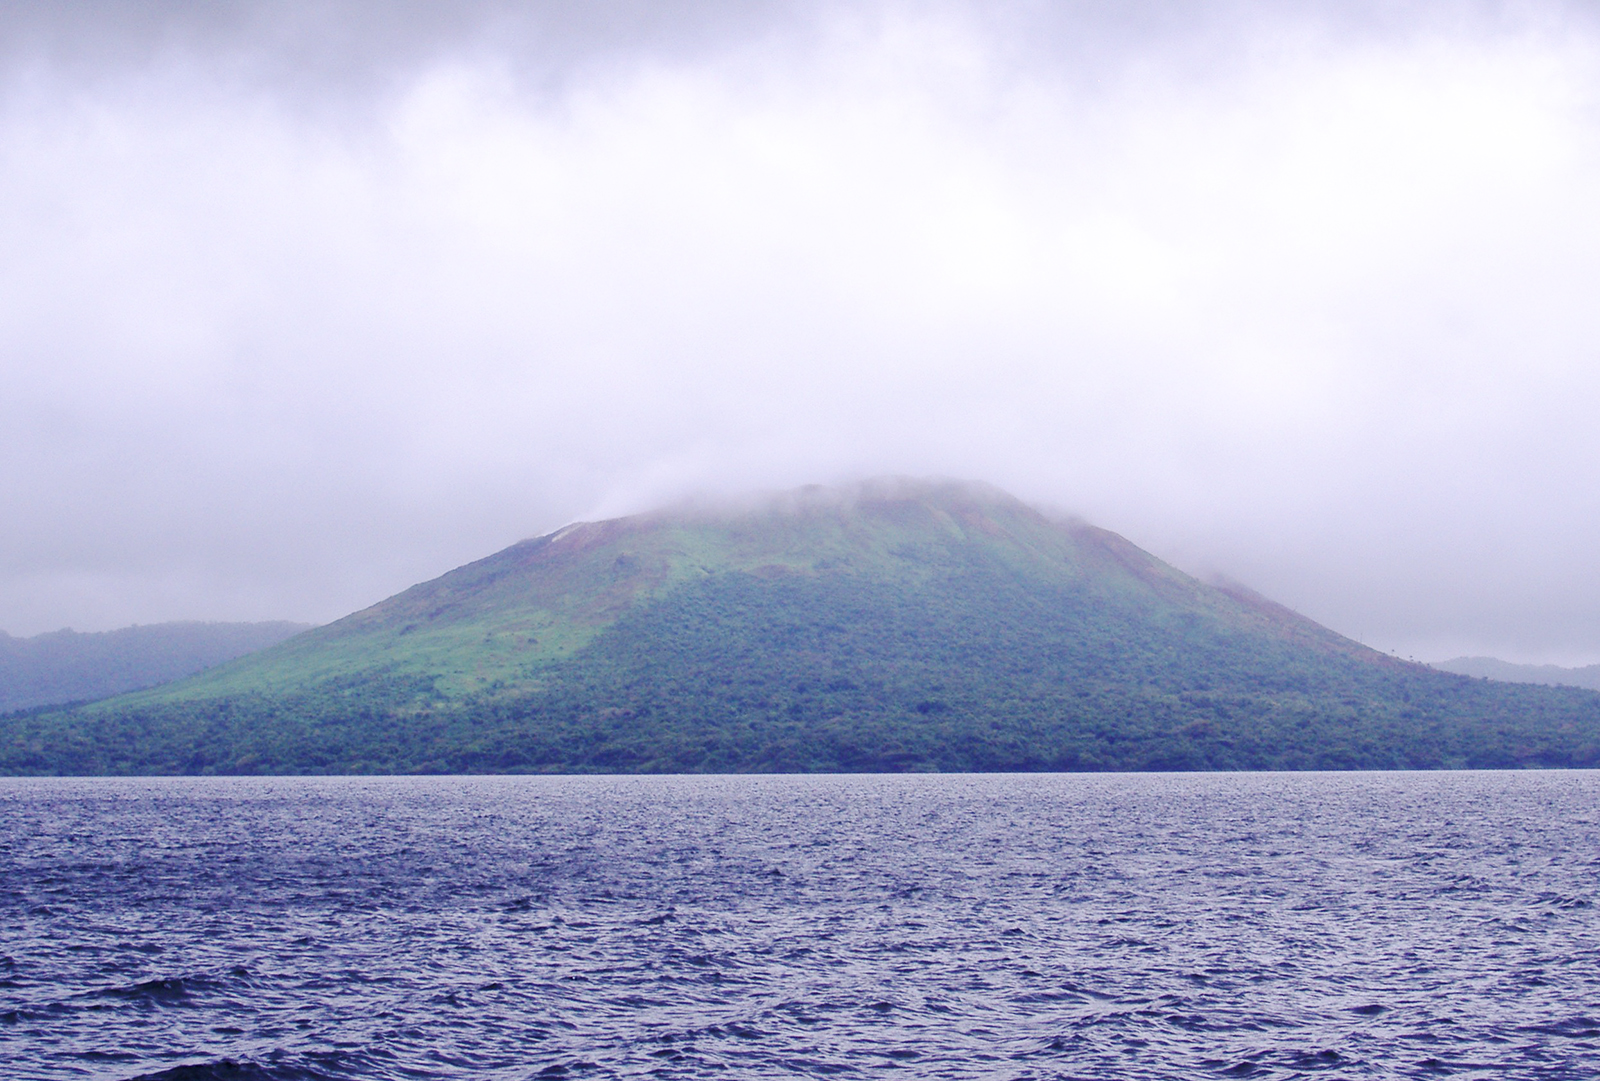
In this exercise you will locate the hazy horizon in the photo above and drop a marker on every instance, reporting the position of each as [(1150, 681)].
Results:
[(308, 302)]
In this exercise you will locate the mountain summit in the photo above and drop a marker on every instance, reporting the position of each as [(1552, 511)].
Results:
[(972, 548), (892, 625)]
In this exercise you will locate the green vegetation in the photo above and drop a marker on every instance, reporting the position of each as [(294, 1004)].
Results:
[(934, 628)]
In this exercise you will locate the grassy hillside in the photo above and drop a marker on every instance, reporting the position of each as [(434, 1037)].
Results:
[(931, 627), (65, 666)]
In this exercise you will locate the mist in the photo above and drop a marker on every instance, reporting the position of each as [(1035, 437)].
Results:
[(301, 304)]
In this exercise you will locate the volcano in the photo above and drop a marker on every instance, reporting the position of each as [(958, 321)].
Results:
[(892, 625)]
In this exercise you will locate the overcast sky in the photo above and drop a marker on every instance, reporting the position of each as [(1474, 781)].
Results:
[(300, 304)]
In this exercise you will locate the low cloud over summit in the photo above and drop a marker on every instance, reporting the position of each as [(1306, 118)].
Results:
[(304, 303)]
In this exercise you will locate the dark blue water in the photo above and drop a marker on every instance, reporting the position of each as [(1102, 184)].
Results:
[(1327, 925)]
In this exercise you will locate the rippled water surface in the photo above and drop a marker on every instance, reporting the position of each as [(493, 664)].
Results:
[(1154, 926)]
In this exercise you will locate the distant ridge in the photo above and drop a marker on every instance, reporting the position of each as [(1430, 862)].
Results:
[(66, 666), (1549, 675), (893, 625)]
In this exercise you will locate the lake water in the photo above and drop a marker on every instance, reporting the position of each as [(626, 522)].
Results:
[(1371, 925)]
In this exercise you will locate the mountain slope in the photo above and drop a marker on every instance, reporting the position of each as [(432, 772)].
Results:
[(931, 626), (506, 617), (65, 666)]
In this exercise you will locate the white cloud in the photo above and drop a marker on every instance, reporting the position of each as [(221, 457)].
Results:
[(1313, 313)]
